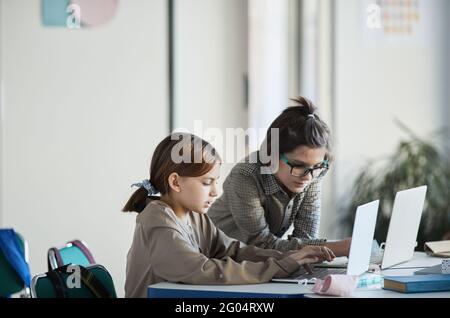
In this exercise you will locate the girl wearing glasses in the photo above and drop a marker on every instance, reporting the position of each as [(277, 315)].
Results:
[(175, 241), (259, 208)]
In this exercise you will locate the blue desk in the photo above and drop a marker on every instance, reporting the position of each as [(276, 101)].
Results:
[(268, 290), (289, 290)]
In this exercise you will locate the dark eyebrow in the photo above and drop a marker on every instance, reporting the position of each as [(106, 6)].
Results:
[(303, 164), (296, 162)]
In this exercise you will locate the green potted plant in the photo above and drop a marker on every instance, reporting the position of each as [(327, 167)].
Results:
[(415, 162)]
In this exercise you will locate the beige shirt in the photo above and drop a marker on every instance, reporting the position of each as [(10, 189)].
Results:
[(165, 249)]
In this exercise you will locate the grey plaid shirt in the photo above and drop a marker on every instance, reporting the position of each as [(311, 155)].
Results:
[(257, 211)]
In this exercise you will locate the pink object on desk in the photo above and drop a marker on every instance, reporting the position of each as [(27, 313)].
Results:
[(336, 285)]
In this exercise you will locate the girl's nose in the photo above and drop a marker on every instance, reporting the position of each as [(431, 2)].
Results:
[(213, 192)]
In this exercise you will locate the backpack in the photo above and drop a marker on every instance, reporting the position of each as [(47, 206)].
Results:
[(94, 282)]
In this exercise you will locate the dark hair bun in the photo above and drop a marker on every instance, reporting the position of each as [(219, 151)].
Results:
[(299, 125), (305, 105)]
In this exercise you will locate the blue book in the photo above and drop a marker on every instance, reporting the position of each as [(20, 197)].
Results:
[(418, 283)]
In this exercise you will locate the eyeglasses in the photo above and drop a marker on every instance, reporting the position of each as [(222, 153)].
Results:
[(301, 171)]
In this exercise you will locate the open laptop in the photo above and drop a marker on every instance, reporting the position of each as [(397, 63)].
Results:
[(360, 248), (402, 232), (403, 227)]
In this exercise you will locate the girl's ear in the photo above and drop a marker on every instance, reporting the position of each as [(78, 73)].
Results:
[(174, 182)]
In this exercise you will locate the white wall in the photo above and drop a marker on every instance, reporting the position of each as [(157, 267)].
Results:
[(81, 112), (324, 80), (269, 71), (210, 64), (376, 84)]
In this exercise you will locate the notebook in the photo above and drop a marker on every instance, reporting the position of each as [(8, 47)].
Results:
[(438, 249), (418, 283), (430, 270)]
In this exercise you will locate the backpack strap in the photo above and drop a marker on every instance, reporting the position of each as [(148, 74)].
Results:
[(94, 285), (59, 261), (83, 249), (58, 283)]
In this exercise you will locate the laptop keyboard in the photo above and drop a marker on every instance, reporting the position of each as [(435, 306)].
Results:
[(318, 272), (321, 272)]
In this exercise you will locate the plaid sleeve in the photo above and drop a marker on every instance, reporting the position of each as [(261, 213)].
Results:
[(244, 202), (307, 219)]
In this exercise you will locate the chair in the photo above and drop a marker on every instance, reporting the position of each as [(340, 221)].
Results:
[(11, 283)]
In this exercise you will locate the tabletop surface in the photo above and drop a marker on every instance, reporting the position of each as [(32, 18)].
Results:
[(420, 260)]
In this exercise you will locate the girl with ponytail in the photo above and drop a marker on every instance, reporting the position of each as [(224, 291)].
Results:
[(174, 239)]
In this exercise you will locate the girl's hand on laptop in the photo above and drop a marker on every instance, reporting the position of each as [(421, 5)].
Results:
[(340, 248), (312, 254)]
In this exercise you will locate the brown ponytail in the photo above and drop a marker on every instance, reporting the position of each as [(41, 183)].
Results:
[(137, 201), (190, 148)]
